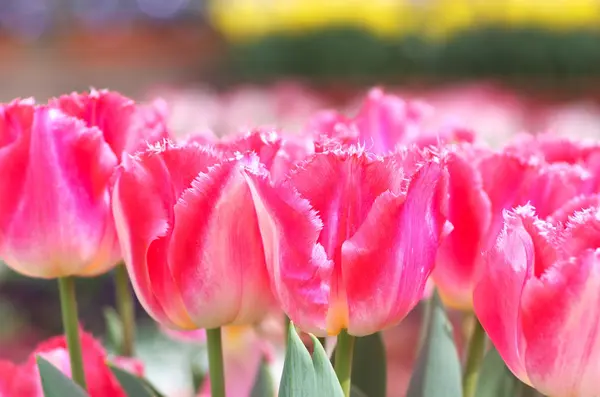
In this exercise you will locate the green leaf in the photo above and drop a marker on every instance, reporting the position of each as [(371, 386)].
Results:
[(55, 383), (298, 378), (495, 379), (263, 384), (114, 329), (438, 370), (326, 379), (304, 375), (133, 385), (369, 367)]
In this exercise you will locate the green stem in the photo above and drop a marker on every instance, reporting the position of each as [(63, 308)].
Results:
[(343, 360), (475, 354), (215, 362), (68, 305), (125, 306)]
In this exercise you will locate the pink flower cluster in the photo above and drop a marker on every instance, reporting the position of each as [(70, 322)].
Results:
[(340, 226)]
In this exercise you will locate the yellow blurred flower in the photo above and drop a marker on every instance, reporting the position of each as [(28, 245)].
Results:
[(247, 19)]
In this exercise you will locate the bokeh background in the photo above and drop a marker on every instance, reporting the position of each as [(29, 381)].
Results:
[(502, 67)]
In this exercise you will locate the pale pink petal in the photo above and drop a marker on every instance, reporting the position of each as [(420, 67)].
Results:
[(55, 201), (299, 269), (561, 327), (385, 265)]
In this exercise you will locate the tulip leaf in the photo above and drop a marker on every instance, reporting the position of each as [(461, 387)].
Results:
[(133, 385), (495, 379), (369, 372), (263, 384), (438, 369), (55, 383), (326, 379), (304, 375), (114, 329)]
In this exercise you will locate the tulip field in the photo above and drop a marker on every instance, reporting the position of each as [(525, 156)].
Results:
[(418, 243)]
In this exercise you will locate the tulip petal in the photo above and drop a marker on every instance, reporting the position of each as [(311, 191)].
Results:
[(582, 231), (561, 327), (579, 203), (469, 211), (156, 178), (216, 253), (55, 203), (525, 247), (348, 184), (387, 262), (109, 111), (503, 176), (265, 143), (299, 269), (551, 186), (125, 126)]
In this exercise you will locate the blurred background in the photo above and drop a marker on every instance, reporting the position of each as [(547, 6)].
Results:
[(502, 67)]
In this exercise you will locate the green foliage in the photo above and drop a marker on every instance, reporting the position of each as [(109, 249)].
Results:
[(55, 383), (304, 375), (355, 54), (438, 369)]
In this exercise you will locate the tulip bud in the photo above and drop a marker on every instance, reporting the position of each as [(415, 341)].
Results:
[(55, 217)]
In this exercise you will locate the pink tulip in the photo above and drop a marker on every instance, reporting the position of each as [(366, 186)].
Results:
[(278, 153), (127, 127), (24, 380), (350, 238), (383, 123), (190, 238), (537, 299), (482, 185), (55, 217)]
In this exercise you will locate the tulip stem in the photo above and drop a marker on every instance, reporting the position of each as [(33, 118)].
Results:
[(68, 305), (126, 309), (343, 360), (215, 362), (475, 354)]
